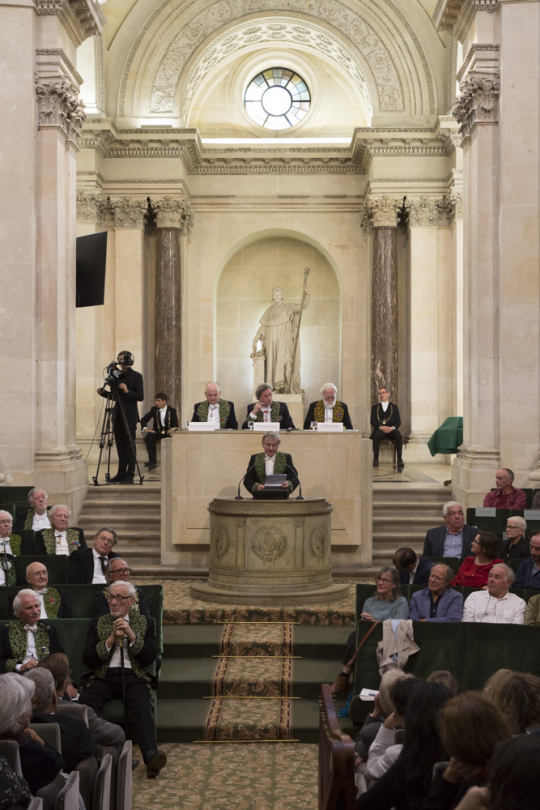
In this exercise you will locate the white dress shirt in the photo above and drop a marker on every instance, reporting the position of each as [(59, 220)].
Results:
[(60, 539), (31, 651), (40, 595), (213, 416), (269, 462), (116, 660), (266, 411), (162, 412), (481, 607), (384, 405), (413, 572), (5, 546), (40, 522), (99, 576), (328, 414)]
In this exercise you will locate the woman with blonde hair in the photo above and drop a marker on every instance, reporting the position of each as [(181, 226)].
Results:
[(517, 696)]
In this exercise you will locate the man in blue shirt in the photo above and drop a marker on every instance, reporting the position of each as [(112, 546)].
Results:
[(528, 575), (438, 602)]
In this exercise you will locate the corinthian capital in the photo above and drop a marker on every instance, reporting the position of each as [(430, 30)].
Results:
[(380, 212), (59, 106), (453, 205), (89, 206), (477, 102), (426, 211), (173, 212), (128, 212)]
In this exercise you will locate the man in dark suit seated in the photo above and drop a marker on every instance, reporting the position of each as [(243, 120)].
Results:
[(37, 517), (385, 421), (453, 539), (270, 462), (328, 409), (266, 410), (27, 640), (87, 566), (11, 544), (117, 571), (59, 539), (164, 419), (135, 634), (216, 410), (77, 740), (53, 601), (413, 569)]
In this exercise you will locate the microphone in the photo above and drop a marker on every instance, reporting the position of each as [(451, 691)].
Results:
[(239, 497), (299, 497)]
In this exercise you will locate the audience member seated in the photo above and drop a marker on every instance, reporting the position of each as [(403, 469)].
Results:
[(8, 574), (413, 568), (532, 613), (386, 603), (517, 697), (536, 500), (454, 539), (105, 733), (438, 602), (102, 655), (11, 544), (266, 410), (53, 601), (271, 462), (474, 571), (406, 784), (470, 727), (505, 496), (37, 517), (216, 410), (26, 640), (87, 566), (14, 790), (117, 571), (516, 546), (164, 419), (59, 539), (78, 742), (40, 763), (328, 410), (495, 605), (528, 573), (382, 708), (446, 678)]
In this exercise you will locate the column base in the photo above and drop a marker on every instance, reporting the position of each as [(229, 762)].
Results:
[(473, 474), (62, 472)]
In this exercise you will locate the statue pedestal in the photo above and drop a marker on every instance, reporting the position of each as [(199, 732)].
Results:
[(269, 553), (295, 404)]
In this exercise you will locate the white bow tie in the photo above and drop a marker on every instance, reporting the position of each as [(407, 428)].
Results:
[(32, 628), (41, 592), (4, 542)]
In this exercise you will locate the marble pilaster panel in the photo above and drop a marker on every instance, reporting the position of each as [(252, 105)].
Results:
[(168, 314), (384, 312)]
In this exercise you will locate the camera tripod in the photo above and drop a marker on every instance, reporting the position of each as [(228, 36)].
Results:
[(113, 409)]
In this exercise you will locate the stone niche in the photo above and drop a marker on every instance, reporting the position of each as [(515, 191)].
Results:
[(244, 291)]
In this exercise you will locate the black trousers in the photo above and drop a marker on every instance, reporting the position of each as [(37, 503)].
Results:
[(394, 436), (138, 695), (126, 454), (151, 440)]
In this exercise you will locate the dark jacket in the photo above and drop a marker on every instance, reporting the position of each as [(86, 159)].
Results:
[(80, 569), (13, 643), (391, 416), (257, 474), (39, 763), (78, 742), (520, 551), (434, 542), (171, 420), (283, 416), (143, 652), (101, 606), (346, 419), (41, 545), (134, 382), (230, 423), (421, 575)]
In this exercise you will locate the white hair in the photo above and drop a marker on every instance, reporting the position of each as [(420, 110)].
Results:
[(131, 588), (33, 492), (521, 522), (44, 687), (59, 506), (510, 574), (448, 505), (16, 695), (212, 383), (271, 435), (328, 385), (3, 512), (17, 603)]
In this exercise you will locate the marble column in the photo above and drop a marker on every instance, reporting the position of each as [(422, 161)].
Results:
[(173, 223), (384, 299)]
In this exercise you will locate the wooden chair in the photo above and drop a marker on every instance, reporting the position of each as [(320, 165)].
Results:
[(336, 759)]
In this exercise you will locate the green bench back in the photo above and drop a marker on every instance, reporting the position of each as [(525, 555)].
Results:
[(56, 565)]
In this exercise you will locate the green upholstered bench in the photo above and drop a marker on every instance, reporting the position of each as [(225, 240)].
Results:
[(56, 566)]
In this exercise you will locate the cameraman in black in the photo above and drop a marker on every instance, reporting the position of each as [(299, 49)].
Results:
[(129, 386)]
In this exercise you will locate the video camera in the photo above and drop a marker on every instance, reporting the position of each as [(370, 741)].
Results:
[(113, 373)]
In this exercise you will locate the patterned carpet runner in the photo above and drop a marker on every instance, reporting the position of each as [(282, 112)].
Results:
[(252, 684)]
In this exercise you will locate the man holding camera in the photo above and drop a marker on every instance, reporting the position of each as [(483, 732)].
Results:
[(128, 386)]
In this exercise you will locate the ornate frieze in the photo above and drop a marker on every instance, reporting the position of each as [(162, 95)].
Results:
[(174, 212), (89, 206), (82, 18), (128, 212), (477, 102), (59, 106), (453, 205), (427, 211), (456, 15)]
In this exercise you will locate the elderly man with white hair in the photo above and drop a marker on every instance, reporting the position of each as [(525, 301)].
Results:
[(328, 409), (11, 545), (495, 605), (37, 517), (59, 539), (215, 409), (454, 539), (27, 640)]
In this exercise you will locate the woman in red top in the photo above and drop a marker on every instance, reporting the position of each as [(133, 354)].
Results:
[(474, 571)]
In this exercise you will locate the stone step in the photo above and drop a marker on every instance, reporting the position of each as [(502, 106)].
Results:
[(124, 492)]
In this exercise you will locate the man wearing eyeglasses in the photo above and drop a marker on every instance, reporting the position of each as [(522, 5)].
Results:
[(516, 546), (124, 629), (117, 570)]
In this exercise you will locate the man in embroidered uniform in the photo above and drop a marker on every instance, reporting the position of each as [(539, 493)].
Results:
[(328, 409), (37, 517), (53, 601), (495, 605), (454, 539), (505, 496), (117, 571), (11, 544), (24, 642), (438, 602), (135, 634), (271, 462), (385, 421), (130, 391), (87, 565), (164, 419), (59, 539), (266, 410), (216, 410)]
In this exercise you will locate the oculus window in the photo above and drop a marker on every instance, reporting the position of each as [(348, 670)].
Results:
[(277, 98)]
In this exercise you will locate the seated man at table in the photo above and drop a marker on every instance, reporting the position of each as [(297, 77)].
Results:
[(53, 601), (495, 605), (25, 641), (453, 539), (438, 602), (270, 462), (87, 565), (163, 419), (385, 421), (216, 410), (107, 635), (266, 410), (328, 409), (11, 544), (37, 517), (505, 496), (528, 573), (413, 568), (117, 570), (59, 539), (516, 546)]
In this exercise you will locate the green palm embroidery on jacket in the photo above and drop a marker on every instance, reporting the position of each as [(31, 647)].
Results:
[(15, 541), (319, 411), (72, 537), (224, 411), (18, 641), (274, 413), (52, 601), (29, 519), (105, 624), (280, 466)]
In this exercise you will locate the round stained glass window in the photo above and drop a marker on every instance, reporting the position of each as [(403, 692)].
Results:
[(278, 98)]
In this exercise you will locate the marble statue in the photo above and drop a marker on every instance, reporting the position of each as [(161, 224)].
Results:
[(279, 335)]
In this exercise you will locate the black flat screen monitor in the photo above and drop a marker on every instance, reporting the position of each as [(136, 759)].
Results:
[(91, 265)]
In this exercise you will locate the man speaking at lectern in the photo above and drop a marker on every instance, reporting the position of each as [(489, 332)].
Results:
[(270, 462)]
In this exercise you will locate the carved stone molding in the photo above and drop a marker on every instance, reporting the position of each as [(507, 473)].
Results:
[(174, 212), (269, 543), (90, 206), (477, 103), (81, 18), (427, 211), (59, 106), (380, 212), (318, 544), (220, 542), (453, 205), (455, 15), (128, 212)]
